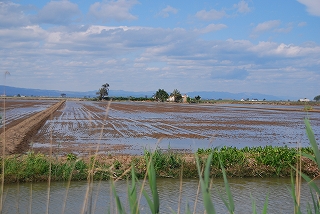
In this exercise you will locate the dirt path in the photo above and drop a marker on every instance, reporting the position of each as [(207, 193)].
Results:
[(16, 137)]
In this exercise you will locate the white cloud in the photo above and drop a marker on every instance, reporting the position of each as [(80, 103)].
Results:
[(11, 15), (58, 12), (152, 69), (128, 54), (210, 15), (313, 6), (167, 11), (22, 37), (212, 27), (285, 51), (266, 26), (286, 29), (242, 7), (113, 10), (302, 24), (230, 73)]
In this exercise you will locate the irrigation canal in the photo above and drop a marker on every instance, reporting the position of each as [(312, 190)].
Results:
[(33, 198)]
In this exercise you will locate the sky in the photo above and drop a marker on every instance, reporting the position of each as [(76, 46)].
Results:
[(269, 47)]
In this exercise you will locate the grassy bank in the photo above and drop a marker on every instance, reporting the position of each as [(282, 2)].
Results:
[(247, 162)]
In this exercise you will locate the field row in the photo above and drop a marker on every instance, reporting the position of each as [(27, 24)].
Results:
[(129, 127)]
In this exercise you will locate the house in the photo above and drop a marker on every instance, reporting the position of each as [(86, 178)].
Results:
[(184, 98), (304, 100), (171, 99)]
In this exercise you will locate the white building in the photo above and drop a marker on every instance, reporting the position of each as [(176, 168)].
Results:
[(304, 100), (170, 99)]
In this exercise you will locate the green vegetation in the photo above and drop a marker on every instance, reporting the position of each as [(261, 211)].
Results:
[(197, 98), (161, 95), (307, 108), (176, 95), (103, 91), (316, 98), (256, 161), (131, 98), (246, 162)]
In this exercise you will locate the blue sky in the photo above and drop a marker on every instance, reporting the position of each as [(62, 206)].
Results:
[(270, 47)]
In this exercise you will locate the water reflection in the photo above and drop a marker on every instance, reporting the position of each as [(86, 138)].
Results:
[(33, 198)]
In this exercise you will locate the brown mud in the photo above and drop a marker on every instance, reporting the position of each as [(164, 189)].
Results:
[(22, 132), (14, 138)]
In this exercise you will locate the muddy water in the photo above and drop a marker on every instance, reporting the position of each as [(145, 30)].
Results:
[(130, 127), (33, 198)]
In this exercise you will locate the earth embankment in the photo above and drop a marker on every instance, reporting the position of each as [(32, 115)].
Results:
[(15, 139)]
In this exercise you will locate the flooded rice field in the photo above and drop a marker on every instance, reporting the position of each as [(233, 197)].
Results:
[(17, 110), (84, 127), (64, 198)]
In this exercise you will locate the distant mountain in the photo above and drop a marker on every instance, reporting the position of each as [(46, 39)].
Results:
[(121, 93), (14, 91)]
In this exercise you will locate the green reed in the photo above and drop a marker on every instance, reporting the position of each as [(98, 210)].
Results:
[(247, 162)]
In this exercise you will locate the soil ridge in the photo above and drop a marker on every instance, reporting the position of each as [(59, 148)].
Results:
[(16, 138)]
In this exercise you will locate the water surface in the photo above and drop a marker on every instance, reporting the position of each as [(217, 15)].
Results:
[(33, 198)]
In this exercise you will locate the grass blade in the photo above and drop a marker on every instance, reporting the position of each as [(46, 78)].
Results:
[(153, 204), (149, 201), (254, 208), (294, 196), (309, 156), (188, 209), (230, 203), (313, 142), (204, 184), (315, 203), (153, 187), (132, 193), (118, 202), (265, 206)]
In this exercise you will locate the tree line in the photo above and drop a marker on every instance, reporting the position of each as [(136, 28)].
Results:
[(161, 96)]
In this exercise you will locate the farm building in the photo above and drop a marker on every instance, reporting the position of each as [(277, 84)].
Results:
[(304, 100)]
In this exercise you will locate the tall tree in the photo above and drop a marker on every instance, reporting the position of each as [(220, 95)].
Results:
[(161, 95), (177, 95), (198, 98), (317, 98), (103, 91)]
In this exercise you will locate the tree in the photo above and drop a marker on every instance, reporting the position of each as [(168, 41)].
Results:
[(177, 95), (161, 95), (198, 98), (317, 98), (103, 91)]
